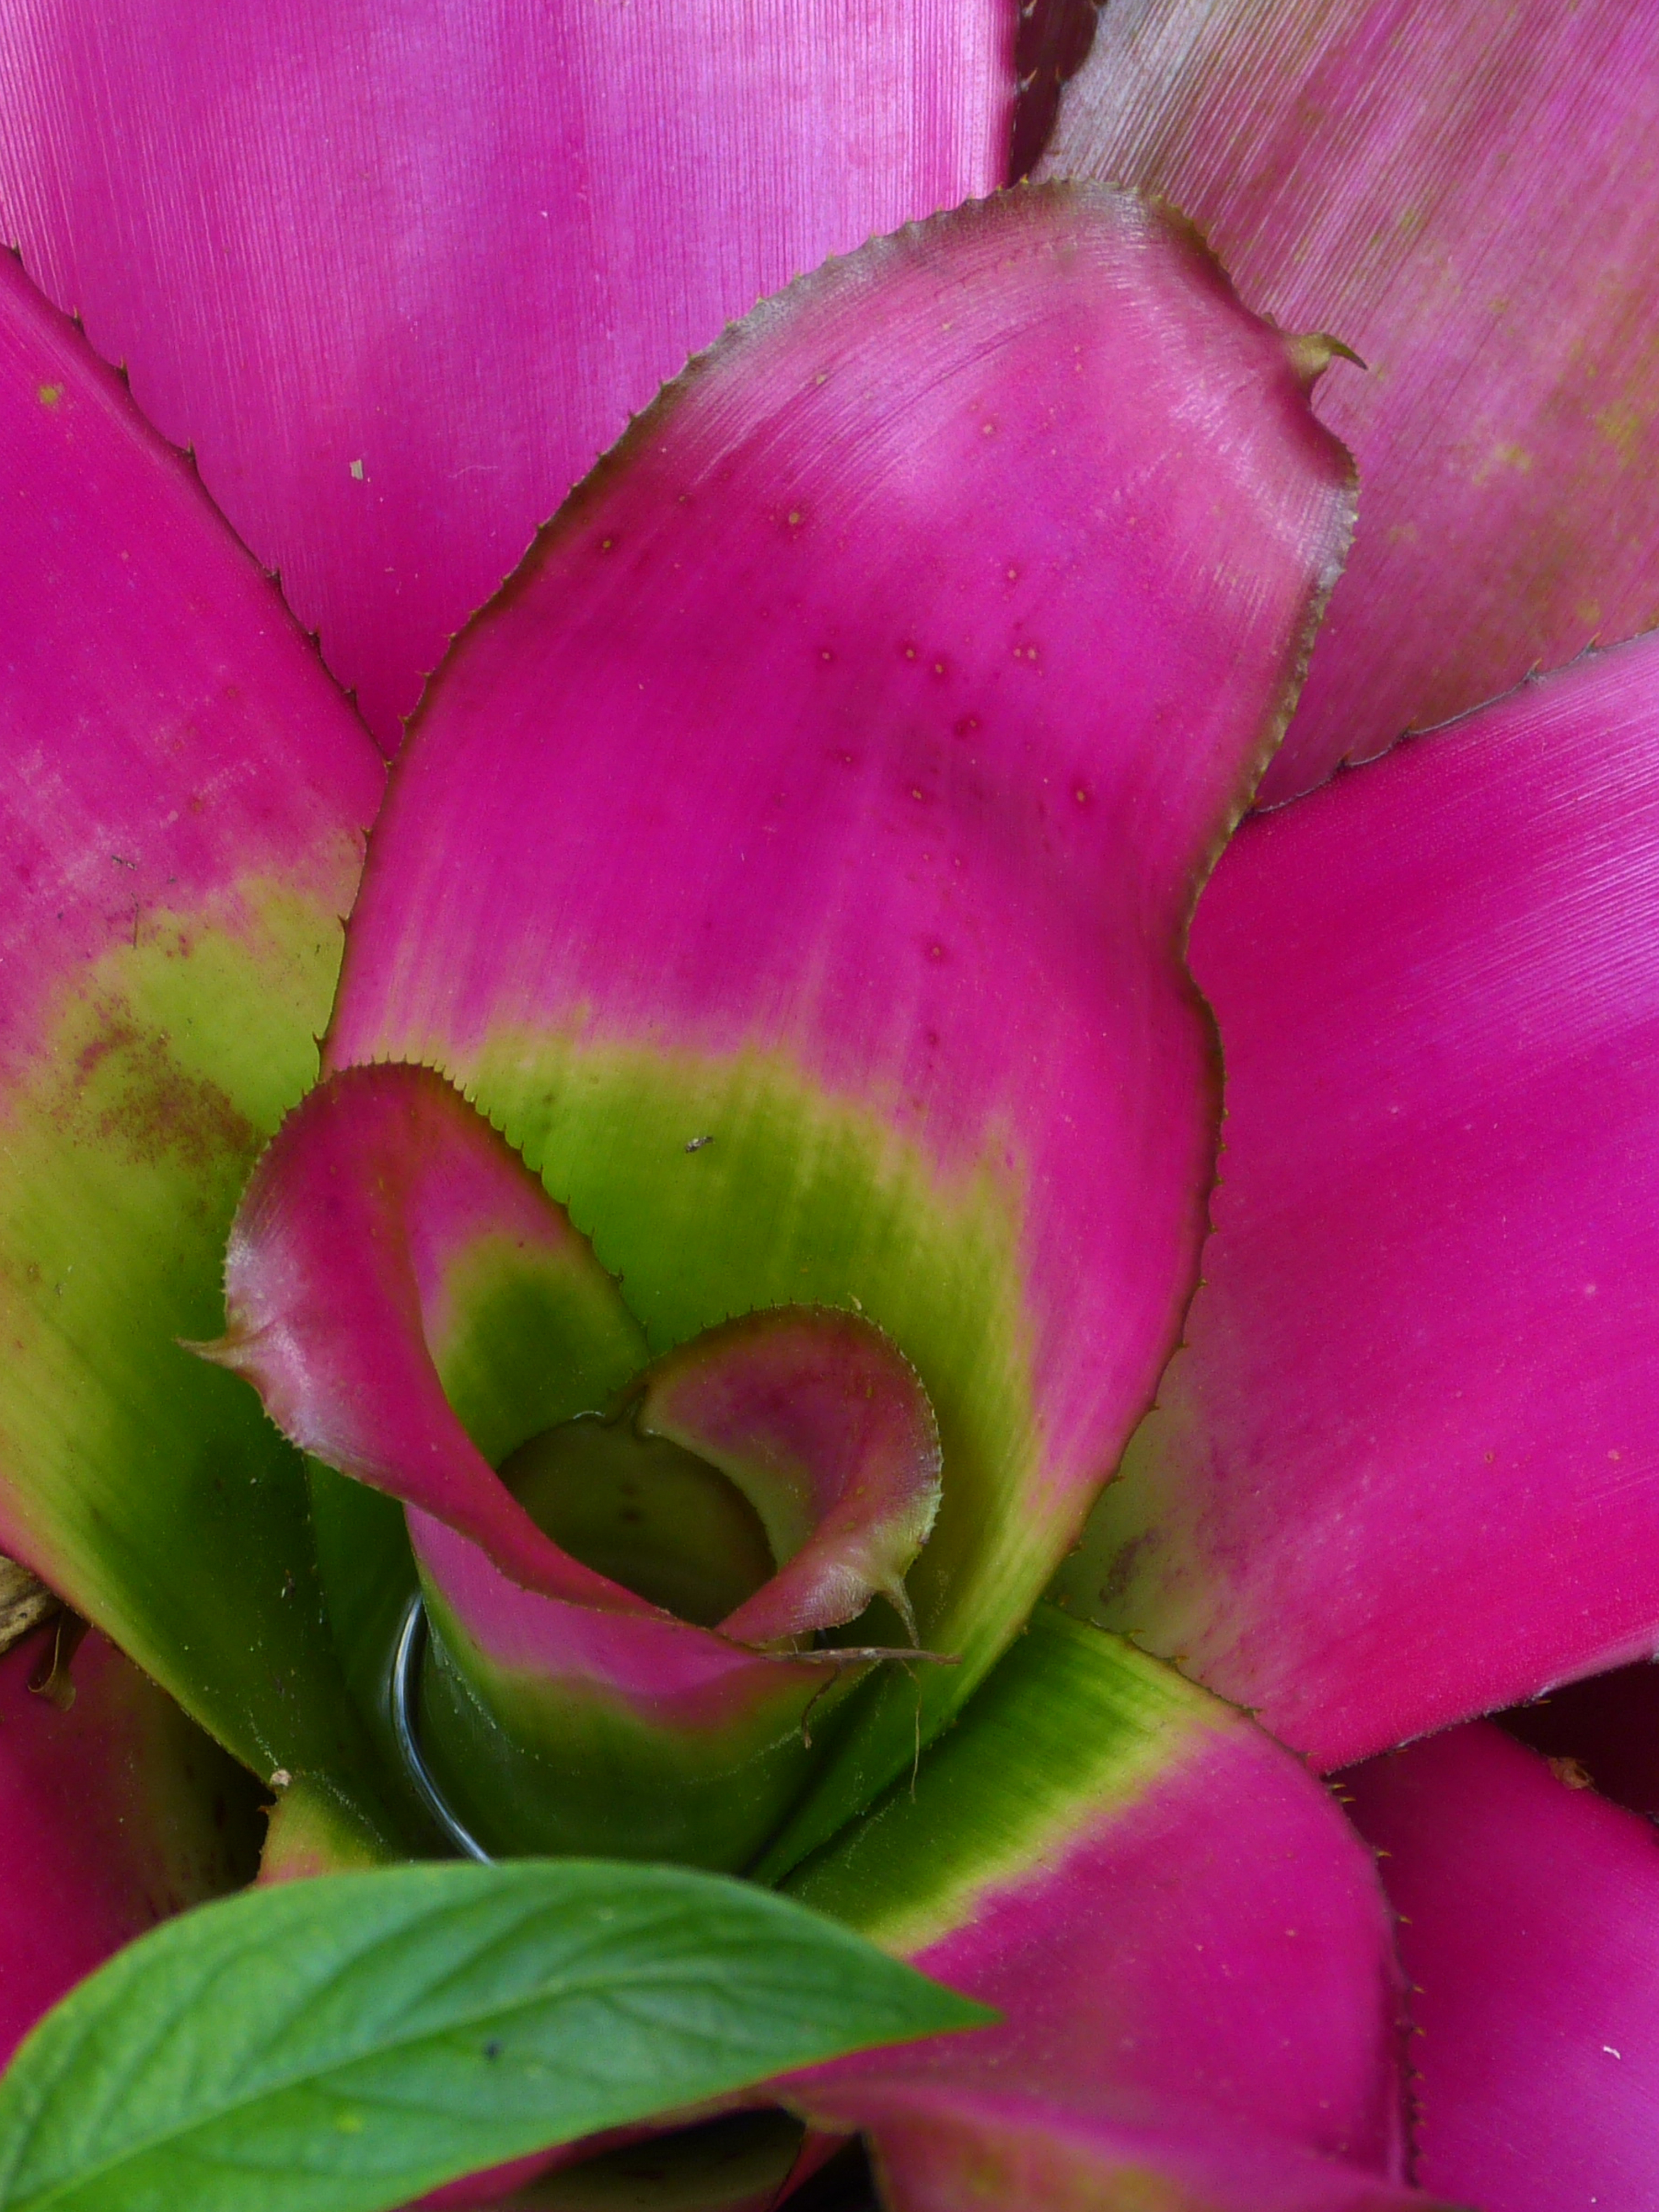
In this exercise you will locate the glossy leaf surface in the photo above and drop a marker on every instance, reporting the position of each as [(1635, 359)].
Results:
[(400, 280), (337, 2045), (181, 819), (1469, 196), (1530, 1929), (846, 757), (1407, 1467)]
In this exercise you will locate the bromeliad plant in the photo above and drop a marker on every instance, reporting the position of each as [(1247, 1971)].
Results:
[(605, 1372)]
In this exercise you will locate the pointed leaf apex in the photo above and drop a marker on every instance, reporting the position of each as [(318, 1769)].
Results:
[(232, 1350), (1312, 352)]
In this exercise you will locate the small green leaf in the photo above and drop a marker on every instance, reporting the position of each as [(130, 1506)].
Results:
[(345, 2044)]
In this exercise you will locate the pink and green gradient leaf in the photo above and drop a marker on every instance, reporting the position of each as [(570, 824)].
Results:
[(411, 1307), (1469, 196), (1529, 1927), (181, 816), (399, 279), (570, 1726), (1187, 1944), (847, 756), (114, 1812), (396, 1281), (1406, 1469), (406, 1301)]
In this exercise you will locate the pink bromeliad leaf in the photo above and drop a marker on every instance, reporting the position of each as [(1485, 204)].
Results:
[(114, 1812), (842, 763), (625, 1599), (1529, 1927), (399, 279), (182, 811), (1187, 1942), (1469, 196), (1407, 1467)]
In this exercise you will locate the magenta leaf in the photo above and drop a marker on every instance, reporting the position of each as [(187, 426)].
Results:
[(846, 757), (1469, 196), (1407, 1467), (115, 1811), (181, 814), (1529, 1927), (1187, 1944), (399, 282)]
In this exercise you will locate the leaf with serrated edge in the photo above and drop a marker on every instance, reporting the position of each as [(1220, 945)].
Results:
[(340, 2045)]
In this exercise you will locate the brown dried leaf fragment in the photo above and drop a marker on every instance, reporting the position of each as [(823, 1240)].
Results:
[(25, 1602)]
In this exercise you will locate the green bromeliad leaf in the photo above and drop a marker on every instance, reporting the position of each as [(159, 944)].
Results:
[(342, 2044)]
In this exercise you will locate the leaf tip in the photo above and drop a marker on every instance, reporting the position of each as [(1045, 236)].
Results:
[(1312, 352)]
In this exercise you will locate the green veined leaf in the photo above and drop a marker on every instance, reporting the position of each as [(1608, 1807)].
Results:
[(342, 2044)]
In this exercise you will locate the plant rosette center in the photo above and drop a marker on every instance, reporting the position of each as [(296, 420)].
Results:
[(650, 1584)]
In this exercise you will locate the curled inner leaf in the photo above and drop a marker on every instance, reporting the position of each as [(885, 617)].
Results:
[(624, 1613), (645, 1513)]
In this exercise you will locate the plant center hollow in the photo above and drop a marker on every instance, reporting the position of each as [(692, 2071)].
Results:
[(648, 1513)]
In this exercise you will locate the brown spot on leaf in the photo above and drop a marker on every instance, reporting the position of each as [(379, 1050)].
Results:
[(169, 1115), (127, 1092)]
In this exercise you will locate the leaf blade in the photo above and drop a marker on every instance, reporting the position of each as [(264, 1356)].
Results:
[(355, 427), (342, 2044)]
